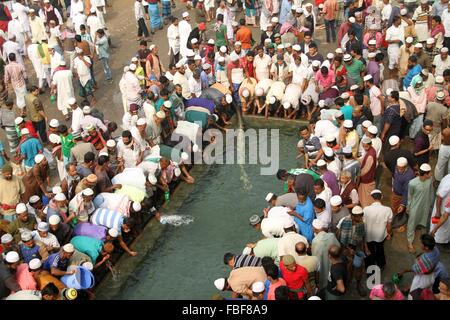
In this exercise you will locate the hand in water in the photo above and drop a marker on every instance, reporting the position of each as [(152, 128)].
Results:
[(133, 253)]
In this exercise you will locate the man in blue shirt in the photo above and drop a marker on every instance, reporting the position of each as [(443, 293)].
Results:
[(29, 148), (101, 42), (414, 69), (304, 215)]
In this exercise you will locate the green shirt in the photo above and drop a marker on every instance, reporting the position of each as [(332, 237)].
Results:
[(221, 34), (354, 70), (67, 144)]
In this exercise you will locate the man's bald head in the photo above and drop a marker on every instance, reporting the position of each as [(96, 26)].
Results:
[(446, 136), (300, 248)]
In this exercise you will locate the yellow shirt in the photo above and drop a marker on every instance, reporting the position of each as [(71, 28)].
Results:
[(352, 140), (10, 192), (46, 59)]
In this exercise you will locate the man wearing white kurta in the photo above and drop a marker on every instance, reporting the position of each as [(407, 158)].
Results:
[(262, 63), (55, 58), (77, 115), (442, 234), (37, 27), (100, 6), (22, 14), (11, 46), (33, 55), (173, 35), (420, 18), (62, 79), (394, 35), (93, 23), (15, 28), (184, 29)]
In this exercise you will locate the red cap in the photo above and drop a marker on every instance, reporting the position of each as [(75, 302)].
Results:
[(202, 26)]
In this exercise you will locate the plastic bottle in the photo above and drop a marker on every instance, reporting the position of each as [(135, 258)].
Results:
[(167, 196), (52, 98)]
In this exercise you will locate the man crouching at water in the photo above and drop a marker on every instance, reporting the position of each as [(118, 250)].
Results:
[(240, 281)]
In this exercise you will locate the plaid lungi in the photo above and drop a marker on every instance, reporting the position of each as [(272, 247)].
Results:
[(166, 9)]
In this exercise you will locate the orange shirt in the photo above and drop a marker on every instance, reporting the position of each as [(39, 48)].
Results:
[(244, 35), (330, 7)]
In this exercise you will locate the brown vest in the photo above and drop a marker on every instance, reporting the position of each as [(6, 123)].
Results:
[(345, 194)]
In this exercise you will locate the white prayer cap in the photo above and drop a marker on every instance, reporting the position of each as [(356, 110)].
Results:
[(314, 298), (316, 63), (338, 51), (177, 172), (6, 238), (345, 95), (318, 224), (272, 99), (280, 47), (194, 41), (425, 167), (402, 161), (223, 49), (179, 64), (141, 122), (444, 50), (71, 101), (375, 192), (306, 100), (247, 251), (234, 23), (328, 152), (26, 236), (54, 123), (88, 265), (69, 248), (287, 45), (46, 1), (134, 59), (18, 120), (132, 67), (221, 59), (86, 109), (321, 163), (228, 98), (88, 192), (357, 210), (258, 287), (160, 114), (195, 147), (267, 40), (220, 284), (439, 79), (372, 55), (238, 43), (423, 1), (54, 220), (42, 226), (354, 87), (409, 40), (288, 223), (39, 157), (372, 42), (245, 93), (31, 11), (24, 131), (185, 14), (404, 11), (77, 50), (348, 124), (299, 10), (330, 55), (206, 66), (352, 19), (269, 196), (296, 47), (321, 5), (111, 143), (234, 57), (347, 149), (294, 7), (211, 41), (136, 206), (366, 140), (60, 197), (330, 138), (389, 91), (152, 179), (373, 129), (274, 20), (347, 57), (418, 45), (184, 156), (440, 95), (62, 63), (113, 232), (430, 40), (336, 201), (286, 105), (259, 91), (12, 257), (321, 103), (35, 264), (368, 77), (103, 153), (393, 140)]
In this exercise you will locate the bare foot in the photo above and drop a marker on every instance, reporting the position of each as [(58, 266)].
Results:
[(411, 249)]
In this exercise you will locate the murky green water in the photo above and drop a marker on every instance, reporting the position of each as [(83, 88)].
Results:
[(187, 259)]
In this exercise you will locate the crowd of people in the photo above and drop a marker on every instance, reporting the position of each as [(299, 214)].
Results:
[(74, 192)]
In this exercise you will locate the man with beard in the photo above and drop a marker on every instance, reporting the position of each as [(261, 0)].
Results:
[(70, 182), (8, 283), (61, 230), (11, 189), (23, 222)]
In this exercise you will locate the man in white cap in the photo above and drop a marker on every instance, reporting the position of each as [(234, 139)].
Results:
[(82, 67), (395, 35), (376, 100), (421, 195), (173, 36), (406, 50), (401, 178), (441, 62), (395, 152), (350, 138), (184, 30), (247, 94), (8, 269), (181, 79), (30, 149), (24, 221), (262, 63), (338, 212), (377, 221), (43, 235), (81, 206), (368, 172), (240, 281), (319, 248), (273, 97), (437, 113), (62, 86), (57, 263)]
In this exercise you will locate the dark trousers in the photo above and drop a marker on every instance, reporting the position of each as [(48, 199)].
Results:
[(142, 28), (330, 29), (376, 256), (40, 127), (447, 42), (174, 58)]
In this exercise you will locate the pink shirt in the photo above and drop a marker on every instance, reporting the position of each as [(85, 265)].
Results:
[(378, 38), (327, 81), (377, 292), (329, 8), (273, 287)]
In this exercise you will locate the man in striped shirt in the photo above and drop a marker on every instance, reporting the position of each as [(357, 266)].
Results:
[(16, 75), (235, 261)]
